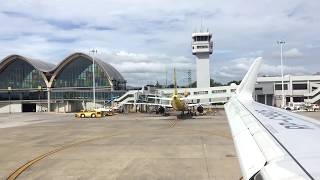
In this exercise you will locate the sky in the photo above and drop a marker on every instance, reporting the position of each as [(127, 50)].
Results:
[(146, 39)]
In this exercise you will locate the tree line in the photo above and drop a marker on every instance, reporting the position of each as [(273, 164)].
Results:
[(213, 83)]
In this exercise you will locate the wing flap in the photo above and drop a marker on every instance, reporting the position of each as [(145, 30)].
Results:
[(250, 156)]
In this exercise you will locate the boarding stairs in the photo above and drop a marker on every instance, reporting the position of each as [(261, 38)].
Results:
[(125, 98), (313, 96)]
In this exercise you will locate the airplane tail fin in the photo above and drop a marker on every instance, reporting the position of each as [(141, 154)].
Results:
[(246, 87), (175, 92)]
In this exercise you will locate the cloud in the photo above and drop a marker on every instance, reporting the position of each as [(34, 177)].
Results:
[(292, 53), (124, 57), (275, 70), (313, 46), (139, 68), (149, 36), (241, 65)]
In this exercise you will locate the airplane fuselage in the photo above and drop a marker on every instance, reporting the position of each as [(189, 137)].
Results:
[(178, 104)]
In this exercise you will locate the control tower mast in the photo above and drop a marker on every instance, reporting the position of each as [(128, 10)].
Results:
[(202, 46)]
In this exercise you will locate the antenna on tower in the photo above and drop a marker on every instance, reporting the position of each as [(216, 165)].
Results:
[(166, 77)]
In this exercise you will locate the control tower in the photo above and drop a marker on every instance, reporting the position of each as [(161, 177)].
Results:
[(202, 48)]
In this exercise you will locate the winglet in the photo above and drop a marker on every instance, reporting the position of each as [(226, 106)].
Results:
[(246, 87)]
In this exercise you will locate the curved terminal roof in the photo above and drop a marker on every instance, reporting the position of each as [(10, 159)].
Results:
[(112, 73), (53, 70), (37, 64)]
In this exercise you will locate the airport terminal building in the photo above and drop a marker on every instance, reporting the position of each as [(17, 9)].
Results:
[(303, 88), (29, 85)]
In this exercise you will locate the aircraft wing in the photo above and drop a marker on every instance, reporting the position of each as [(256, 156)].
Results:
[(198, 104), (204, 104), (150, 104), (195, 97), (272, 143), (161, 98)]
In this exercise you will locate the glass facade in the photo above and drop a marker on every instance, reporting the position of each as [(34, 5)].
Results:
[(78, 73), (23, 95), (72, 83), (85, 95), (20, 75)]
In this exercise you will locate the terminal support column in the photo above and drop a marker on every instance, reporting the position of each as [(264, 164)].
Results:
[(49, 99)]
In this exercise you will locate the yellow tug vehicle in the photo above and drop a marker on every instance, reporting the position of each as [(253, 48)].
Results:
[(95, 113), (89, 114)]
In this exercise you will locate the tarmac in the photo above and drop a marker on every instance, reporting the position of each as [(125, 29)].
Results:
[(125, 146)]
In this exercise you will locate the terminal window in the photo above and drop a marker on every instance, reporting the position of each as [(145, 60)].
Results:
[(201, 38), (287, 99), (202, 47), (299, 86), (298, 99), (279, 87), (200, 92), (219, 91)]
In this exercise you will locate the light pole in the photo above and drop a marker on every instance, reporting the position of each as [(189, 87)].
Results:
[(93, 78), (281, 43), (9, 92), (39, 96)]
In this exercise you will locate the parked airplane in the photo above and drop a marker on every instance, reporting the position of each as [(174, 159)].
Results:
[(271, 143), (179, 103)]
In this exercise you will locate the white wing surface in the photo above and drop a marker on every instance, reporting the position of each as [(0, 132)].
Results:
[(150, 104), (272, 143)]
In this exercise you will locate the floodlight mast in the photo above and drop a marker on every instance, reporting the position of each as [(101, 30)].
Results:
[(281, 43), (93, 78)]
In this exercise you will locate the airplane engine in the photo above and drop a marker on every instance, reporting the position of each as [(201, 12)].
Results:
[(200, 109), (161, 110)]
